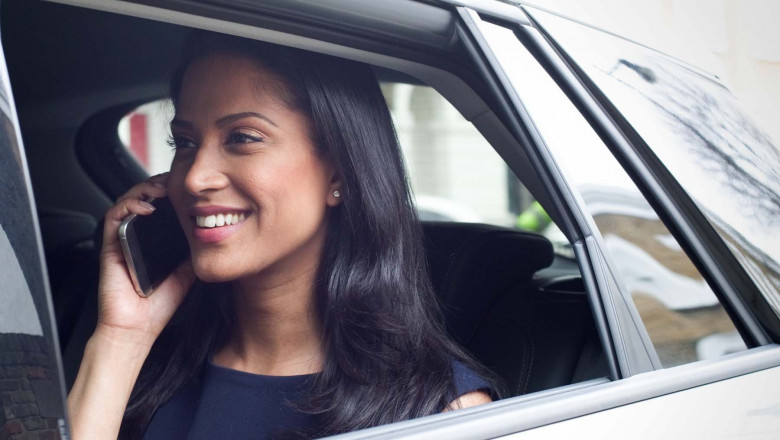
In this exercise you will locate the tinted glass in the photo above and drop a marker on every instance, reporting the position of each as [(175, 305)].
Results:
[(681, 314), (728, 166), (31, 396)]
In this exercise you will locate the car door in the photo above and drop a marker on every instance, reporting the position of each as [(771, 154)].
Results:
[(654, 128), (31, 385), (653, 394)]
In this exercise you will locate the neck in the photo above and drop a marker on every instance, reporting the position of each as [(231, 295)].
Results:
[(276, 329)]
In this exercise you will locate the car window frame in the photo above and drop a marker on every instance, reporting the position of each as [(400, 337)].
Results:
[(504, 115), (560, 201), (627, 347)]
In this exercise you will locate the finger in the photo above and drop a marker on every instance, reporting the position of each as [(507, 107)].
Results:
[(145, 190), (162, 177), (117, 214)]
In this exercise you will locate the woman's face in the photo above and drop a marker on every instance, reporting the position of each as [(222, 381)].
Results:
[(245, 161)]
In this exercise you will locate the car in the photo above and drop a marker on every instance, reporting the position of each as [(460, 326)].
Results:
[(644, 304)]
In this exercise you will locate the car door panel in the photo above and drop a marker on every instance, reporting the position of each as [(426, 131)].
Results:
[(31, 388), (740, 407), (521, 416)]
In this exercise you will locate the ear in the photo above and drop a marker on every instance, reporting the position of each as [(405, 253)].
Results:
[(335, 190)]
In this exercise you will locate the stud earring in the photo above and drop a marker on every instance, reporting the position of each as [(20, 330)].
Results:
[(336, 194)]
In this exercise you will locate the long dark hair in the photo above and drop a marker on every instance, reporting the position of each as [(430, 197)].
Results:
[(387, 357)]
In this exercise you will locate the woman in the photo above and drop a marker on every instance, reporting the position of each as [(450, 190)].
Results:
[(312, 313)]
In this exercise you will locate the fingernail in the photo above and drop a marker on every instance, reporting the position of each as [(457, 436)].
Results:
[(148, 206), (158, 184)]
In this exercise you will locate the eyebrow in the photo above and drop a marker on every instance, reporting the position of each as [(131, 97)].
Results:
[(225, 120), (236, 116)]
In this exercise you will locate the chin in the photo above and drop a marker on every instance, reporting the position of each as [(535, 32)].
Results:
[(211, 274)]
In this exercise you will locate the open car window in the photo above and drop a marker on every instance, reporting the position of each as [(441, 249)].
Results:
[(455, 174), (485, 236)]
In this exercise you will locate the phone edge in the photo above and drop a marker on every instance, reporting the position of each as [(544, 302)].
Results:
[(129, 257)]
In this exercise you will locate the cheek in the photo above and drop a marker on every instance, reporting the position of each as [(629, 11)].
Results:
[(301, 179), (299, 193)]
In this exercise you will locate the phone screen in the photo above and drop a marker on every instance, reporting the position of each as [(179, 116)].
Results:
[(154, 245)]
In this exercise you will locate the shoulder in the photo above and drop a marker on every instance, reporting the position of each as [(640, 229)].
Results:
[(471, 388), (467, 400)]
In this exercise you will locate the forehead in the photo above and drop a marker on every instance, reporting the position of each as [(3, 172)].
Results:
[(226, 81)]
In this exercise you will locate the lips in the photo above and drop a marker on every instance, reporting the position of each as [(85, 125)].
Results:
[(215, 223)]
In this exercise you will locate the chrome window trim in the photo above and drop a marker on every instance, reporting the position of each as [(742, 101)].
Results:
[(494, 8)]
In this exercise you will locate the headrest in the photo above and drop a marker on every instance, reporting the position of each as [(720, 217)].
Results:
[(63, 227), (471, 264)]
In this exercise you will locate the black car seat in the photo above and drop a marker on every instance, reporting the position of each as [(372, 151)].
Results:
[(483, 275), (71, 261)]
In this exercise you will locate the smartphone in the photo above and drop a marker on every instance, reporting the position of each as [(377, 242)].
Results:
[(154, 245)]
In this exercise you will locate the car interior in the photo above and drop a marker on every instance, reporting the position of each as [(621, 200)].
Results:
[(507, 297)]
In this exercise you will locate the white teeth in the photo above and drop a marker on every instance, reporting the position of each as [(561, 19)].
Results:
[(222, 219)]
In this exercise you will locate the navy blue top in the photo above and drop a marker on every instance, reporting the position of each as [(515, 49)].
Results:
[(232, 404)]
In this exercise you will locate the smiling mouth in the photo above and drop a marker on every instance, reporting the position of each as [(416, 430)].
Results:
[(219, 220)]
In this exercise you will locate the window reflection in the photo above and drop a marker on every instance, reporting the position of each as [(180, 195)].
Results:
[(695, 127), (681, 314)]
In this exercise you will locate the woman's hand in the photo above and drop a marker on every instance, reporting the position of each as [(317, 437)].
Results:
[(122, 313), (127, 325)]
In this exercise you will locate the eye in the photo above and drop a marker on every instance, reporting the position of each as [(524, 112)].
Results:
[(180, 142), (238, 137)]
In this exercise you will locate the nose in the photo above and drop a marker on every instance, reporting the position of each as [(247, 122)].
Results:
[(206, 171)]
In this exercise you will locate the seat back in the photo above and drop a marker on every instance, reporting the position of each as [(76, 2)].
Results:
[(483, 277), (72, 263)]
